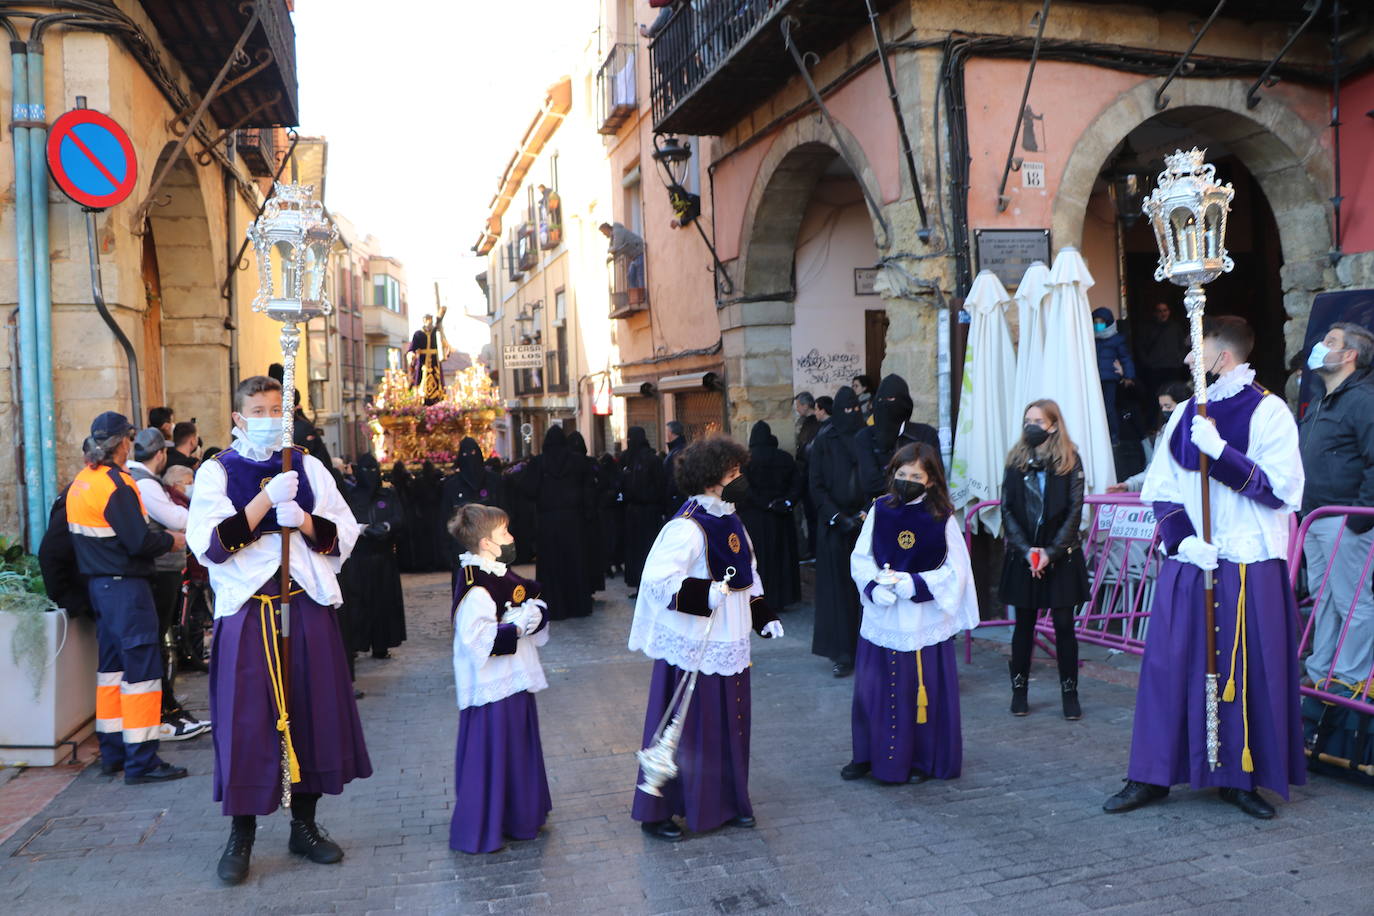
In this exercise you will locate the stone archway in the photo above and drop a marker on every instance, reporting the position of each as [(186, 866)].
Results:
[(195, 342), (1290, 163), (756, 326)]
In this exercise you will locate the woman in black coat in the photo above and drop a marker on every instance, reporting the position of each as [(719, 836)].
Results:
[(775, 487), (1042, 513), (559, 484), (471, 482), (845, 478), (374, 603), (643, 484)]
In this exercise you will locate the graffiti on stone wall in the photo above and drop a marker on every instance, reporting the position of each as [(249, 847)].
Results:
[(817, 369)]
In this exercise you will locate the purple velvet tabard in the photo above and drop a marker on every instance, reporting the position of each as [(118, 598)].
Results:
[(244, 478), (1232, 417), (907, 537), (508, 589), (726, 544)]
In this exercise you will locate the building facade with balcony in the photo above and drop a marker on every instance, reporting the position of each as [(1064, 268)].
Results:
[(670, 362), (174, 279), (863, 171), (546, 281)]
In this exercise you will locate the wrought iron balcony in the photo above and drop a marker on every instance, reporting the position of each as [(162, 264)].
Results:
[(201, 35), (629, 292), (616, 100), (257, 147), (716, 60)]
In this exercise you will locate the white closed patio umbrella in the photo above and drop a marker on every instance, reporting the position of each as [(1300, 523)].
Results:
[(1032, 299), (1070, 368), (987, 417)]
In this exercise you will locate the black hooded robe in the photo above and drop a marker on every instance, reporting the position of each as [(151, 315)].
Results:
[(471, 482), (557, 481), (612, 512), (844, 479), (643, 485), (892, 407), (775, 487), (374, 614), (594, 542)]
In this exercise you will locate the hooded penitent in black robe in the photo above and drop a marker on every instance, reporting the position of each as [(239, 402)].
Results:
[(471, 482), (642, 483), (558, 482), (774, 488), (844, 479), (891, 409), (612, 512), (595, 540), (373, 615), (519, 507), (406, 493)]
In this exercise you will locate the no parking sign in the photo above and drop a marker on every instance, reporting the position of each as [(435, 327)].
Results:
[(91, 159)]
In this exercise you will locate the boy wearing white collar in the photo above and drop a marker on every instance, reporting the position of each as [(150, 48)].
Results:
[(241, 504), (1257, 483), (499, 621), (699, 596)]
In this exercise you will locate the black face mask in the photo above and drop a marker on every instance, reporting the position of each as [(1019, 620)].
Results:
[(735, 490), (1211, 376), (507, 554), (907, 490), (1034, 435)]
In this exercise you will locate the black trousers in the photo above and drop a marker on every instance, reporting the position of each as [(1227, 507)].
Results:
[(1065, 642), (166, 597)]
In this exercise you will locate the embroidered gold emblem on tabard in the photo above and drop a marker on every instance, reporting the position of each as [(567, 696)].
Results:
[(733, 541), (906, 540), (518, 596)]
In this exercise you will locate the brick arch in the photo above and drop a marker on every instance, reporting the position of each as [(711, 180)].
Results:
[(1288, 157)]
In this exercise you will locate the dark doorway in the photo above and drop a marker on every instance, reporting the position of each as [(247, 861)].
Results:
[(875, 342)]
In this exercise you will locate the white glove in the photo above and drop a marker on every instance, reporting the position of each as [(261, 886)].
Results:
[(524, 617), (884, 596), (1198, 552), (715, 595), (905, 586), (289, 513), (772, 629), (282, 488), (1206, 438)]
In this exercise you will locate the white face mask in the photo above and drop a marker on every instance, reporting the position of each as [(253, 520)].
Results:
[(189, 487), (1316, 360), (262, 432)]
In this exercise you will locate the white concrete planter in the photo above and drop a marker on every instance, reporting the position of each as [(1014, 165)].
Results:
[(44, 732)]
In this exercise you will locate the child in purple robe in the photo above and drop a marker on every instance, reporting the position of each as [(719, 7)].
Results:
[(911, 566), (699, 597), (499, 621)]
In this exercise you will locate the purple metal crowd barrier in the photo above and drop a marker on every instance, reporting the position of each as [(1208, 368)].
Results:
[(1123, 566)]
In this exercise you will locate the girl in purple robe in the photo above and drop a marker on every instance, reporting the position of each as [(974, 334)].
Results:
[(911, 566), (499, 621), (699, 597)]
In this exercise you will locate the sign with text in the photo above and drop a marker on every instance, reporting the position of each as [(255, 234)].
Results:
[(1008, 252), (523, 356), (1136, 523)]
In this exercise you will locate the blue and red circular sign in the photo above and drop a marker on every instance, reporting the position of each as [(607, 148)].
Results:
[(91, 158)]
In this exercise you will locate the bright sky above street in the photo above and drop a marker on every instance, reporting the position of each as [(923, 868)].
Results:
[(422, 102)]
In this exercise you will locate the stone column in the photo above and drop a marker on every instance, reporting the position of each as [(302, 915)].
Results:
[(756, 338)]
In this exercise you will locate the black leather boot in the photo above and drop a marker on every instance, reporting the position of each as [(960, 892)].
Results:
[(1069, 687), (309, 839), (233, 864), (1020, 687)]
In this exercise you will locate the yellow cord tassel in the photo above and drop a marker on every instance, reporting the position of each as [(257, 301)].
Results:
[(272, 652), (1247, 762), (1229, 694), (921, 701)]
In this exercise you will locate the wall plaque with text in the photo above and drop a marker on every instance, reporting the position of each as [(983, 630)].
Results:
[(1008, 252)]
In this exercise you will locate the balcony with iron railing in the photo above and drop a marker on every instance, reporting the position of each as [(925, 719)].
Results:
[(716, 60), (257, 147), (616, 99), (629, 292)]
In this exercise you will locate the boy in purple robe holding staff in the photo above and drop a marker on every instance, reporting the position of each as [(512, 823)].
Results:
[(499, 621), (912, 570), (242, 501), (699, 597), (1256, 484)]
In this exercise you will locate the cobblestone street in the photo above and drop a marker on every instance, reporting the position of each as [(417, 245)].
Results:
[(1022, 830)]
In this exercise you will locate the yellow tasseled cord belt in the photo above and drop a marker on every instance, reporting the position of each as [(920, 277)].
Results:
[(921, 702), (272, 651), (1247, 762)]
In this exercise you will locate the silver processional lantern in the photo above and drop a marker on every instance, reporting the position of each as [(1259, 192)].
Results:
[(293, 239), (1187, 210)]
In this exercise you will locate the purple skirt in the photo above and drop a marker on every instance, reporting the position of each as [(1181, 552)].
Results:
[(499, 782), (712, 786), (1169, 744), (886, 733), (325, 730)]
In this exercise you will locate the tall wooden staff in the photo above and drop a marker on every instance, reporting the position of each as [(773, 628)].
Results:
[(1187, 210), (293, 239)]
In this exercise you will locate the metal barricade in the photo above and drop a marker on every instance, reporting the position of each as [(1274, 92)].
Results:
[(1320, 610)]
